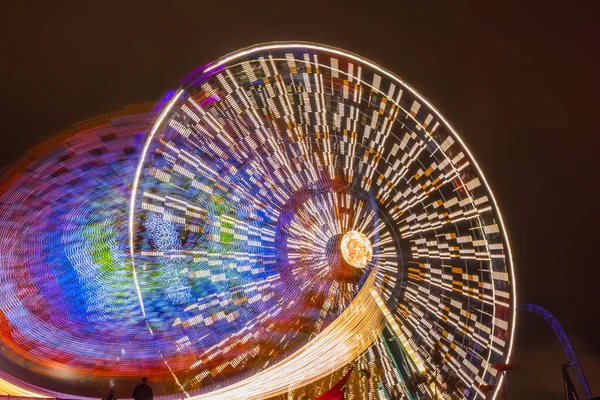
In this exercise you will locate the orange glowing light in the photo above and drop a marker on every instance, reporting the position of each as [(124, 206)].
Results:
[(356, 249)]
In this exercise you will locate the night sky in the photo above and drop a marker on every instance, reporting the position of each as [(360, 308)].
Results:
[(518, 82)]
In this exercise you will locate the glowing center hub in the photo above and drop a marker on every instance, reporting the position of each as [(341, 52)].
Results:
[(356, 249)]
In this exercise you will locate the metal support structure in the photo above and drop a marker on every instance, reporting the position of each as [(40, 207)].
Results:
[(564, 342)]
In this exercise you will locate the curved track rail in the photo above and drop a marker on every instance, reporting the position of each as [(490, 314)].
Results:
[(564, 342)]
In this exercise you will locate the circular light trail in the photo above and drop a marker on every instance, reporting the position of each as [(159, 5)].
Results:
[(264, 160), (294, 208), (69, 316)]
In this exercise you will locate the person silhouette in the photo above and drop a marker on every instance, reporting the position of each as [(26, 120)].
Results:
[(111, 394), (143, 391)]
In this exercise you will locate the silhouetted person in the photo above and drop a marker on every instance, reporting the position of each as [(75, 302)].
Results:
[(143, 391), (111, 394)]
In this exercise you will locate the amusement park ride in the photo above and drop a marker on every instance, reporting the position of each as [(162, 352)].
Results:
[(293, 222)]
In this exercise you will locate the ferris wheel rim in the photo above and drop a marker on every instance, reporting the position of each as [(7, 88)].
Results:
[(208, 69)]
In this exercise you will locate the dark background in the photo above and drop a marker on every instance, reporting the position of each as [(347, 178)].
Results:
[(518, 81)]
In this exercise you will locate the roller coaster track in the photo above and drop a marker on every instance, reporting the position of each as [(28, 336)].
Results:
[(564, 342)]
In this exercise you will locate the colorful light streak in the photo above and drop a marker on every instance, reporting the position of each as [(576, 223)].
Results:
[(311, 143), (339, 344), (67, 307), (230, 271)]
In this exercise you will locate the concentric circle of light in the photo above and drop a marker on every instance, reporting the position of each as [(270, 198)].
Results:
[(356, 249), (68, 308), (251, 178), (294, 207)]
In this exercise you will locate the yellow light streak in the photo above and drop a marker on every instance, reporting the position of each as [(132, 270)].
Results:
[(339, 344), (10, 389)]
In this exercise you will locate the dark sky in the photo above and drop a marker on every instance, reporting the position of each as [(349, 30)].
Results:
[(519, 82)]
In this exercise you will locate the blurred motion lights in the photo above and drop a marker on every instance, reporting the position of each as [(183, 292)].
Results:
[(294, 209)]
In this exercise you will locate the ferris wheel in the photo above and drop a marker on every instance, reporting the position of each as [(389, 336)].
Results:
[(295, 211), (317, 198)]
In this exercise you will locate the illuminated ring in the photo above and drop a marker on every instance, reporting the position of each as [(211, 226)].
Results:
[(456, 282), (66, 313), (236, 225)]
